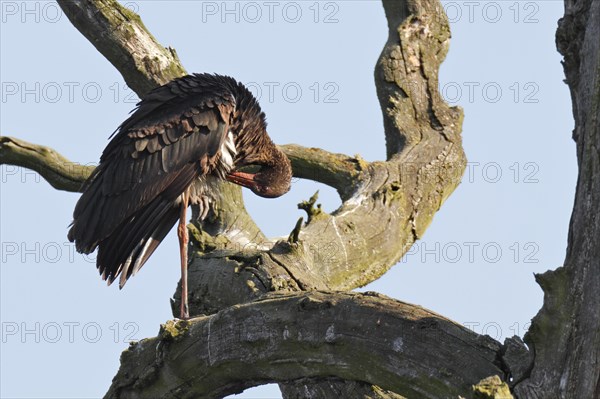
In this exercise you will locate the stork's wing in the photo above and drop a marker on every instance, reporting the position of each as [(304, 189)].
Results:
[(131, 200)]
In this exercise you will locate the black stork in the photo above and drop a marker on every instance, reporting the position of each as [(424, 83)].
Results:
[(178, 142)]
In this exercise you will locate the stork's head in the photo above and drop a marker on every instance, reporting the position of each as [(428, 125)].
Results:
[(272, 180)]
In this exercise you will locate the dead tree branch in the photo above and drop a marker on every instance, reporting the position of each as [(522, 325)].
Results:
[(282, 337)]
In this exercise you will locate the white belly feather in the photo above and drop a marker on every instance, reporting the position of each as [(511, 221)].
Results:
[(204, 190)]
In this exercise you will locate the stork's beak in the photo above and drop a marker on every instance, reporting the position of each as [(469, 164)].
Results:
[(242, 178)]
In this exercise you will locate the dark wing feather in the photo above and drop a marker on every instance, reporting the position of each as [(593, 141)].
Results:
[(173, 137), (128, 247)]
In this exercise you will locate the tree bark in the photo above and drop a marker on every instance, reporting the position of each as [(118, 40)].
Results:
[(280, 337), (61, 173), (119, 35), (565, 334), (311, 388)]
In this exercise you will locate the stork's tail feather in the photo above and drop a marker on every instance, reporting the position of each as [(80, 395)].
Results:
[(126, 250), (88, 214)]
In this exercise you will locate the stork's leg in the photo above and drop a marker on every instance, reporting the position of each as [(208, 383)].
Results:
[(182, 233)]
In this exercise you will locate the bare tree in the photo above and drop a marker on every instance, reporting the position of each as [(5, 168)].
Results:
[(280, 310)]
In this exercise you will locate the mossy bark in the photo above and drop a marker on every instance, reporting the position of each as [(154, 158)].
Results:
[(314, 335)]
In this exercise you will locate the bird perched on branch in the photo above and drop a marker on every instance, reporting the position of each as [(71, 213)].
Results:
[(181, 138)]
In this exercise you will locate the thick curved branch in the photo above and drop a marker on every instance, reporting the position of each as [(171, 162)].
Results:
[(61, 173), (388, 205), (397, 199), (406, 76), (358, 337), (121, 37)]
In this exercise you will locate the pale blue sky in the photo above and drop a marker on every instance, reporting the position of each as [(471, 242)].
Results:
[(507, 220)]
